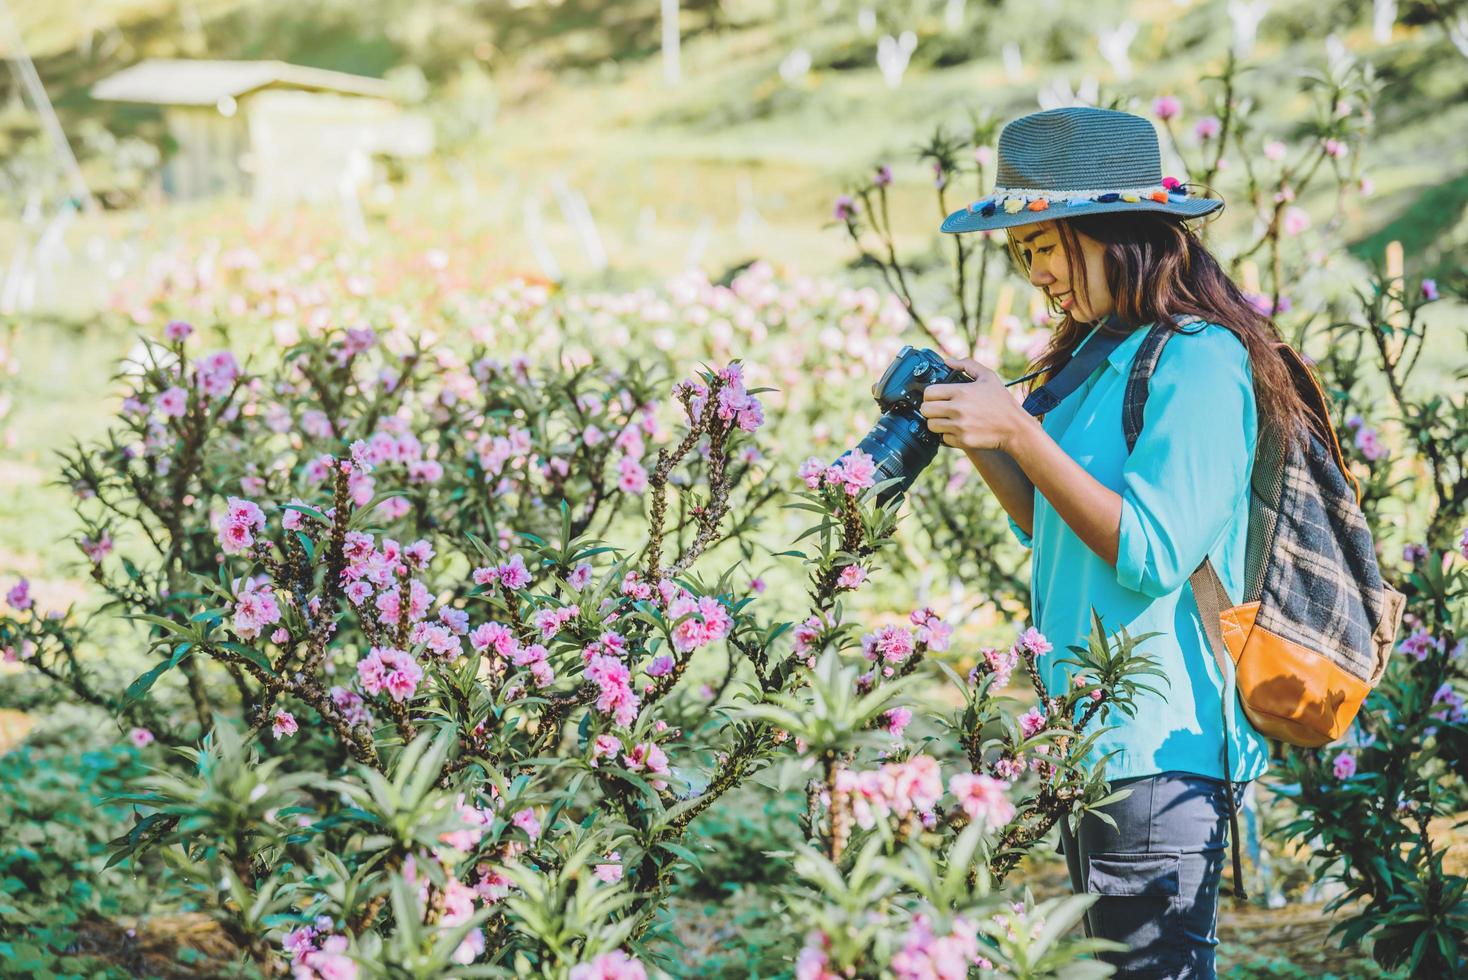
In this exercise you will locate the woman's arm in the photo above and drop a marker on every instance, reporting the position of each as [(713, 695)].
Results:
[(1016, 457), (1091, 510), (1012, 488)]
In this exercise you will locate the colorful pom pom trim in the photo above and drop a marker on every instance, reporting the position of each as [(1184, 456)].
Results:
[(1013, 200)]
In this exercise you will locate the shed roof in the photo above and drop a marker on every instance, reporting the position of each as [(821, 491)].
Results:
[(166, 81)]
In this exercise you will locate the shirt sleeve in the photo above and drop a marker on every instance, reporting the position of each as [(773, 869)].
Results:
[(1024, 539), (1183, 480)]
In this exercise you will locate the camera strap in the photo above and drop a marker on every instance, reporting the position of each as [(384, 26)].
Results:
[(1093, 351)]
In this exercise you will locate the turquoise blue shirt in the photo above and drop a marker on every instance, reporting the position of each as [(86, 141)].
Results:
[(1184, 494)]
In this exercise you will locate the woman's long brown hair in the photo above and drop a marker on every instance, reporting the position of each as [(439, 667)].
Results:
[(1157, 270)]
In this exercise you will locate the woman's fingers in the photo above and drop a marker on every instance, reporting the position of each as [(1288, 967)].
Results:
[(967, 365)]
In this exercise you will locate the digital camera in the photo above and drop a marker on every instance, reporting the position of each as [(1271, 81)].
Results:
[(900, 442)]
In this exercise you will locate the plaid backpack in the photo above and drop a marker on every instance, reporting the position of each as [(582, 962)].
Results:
[(1313, 630)]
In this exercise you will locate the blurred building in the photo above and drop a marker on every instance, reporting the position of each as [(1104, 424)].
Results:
[(274, 131)]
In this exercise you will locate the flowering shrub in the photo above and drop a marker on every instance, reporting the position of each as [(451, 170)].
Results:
[(438, 717), (1375, 805)]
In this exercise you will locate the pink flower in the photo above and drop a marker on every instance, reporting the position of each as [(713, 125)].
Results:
[(982, 798), (1344, 765), (1463, 543), (526, 820), (513, 574), (845, 208), (579, 577), (215, 374), (632, 477), (351, 705), (284, 724), (1335, 149), (811, 472), (897, 720), (614, 679), (851, 576), (173, 403), (494, 636), (1034, 641), (140, 737), (19, 596), (1208, 127), (177, 331), (393, 671), (1369, 444), (615, 965), (1294, 220), (1166, 107), (892, 644), (1031, 722), (858, 471), (330, 962), (915, 784), (1421, 644), (661, 664), (649, 756), (610, 872), (1274, 150), (806, 635), (604, 746), (254, 609), (1429, 290), (930, 629)]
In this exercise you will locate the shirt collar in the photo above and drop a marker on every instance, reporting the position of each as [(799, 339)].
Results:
[(1121, 357)]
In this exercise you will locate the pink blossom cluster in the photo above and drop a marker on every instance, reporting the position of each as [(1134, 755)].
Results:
[(854, 472), (896, 788), (698, 621), (1031, 722), (1000, 663), (983, 798), (98, 549), (19, 596), (238, 525), (550, 620), (511, 574), (615, 697), (390, 670), (458, 908), (806, 635), (814, 959), (215, 374), (255, 608), (327, 961), (924, 956), (851, 576), (930, 629), (438, 639), (1344, 765), (648, 756), (615, 965), (536, 657), (1421, 644), (476, 821), (890, 644), (351, 706), (1453, 709)]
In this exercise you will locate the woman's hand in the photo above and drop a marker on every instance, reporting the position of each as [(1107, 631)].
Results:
[(981, 414)]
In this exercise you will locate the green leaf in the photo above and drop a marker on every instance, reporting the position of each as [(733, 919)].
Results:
[(140, 687)]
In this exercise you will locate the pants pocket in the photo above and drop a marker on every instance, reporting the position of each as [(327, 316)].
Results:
[(1137, 905)]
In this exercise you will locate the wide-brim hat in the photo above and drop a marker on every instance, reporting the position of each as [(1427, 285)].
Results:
[(1067, 163)]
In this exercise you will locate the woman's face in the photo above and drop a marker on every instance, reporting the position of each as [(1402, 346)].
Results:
[(1051, 270)]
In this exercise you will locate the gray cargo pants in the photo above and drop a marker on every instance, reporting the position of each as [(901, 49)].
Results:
[(1156, 875)]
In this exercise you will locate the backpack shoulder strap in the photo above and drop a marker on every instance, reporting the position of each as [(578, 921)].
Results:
[(1148, 354)]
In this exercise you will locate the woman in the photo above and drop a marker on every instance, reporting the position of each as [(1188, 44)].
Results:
[(1092, 222)]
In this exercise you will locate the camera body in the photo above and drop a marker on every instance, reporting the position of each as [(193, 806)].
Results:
[(900, 443)]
